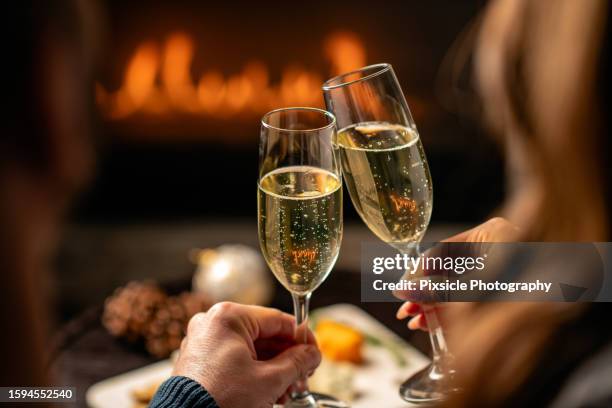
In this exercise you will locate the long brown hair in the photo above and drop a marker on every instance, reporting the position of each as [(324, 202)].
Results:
[(538, 66)]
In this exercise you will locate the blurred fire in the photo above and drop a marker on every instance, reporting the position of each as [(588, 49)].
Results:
[(158, 81)]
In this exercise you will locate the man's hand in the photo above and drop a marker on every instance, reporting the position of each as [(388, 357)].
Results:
[(245, 356)]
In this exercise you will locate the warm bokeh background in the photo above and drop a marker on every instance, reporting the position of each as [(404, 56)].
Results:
[(183, 85), (181, 88)]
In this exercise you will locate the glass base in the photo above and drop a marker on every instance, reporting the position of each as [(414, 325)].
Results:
[(427, 386), (314, 400)]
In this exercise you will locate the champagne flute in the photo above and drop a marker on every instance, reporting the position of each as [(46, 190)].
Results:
[(299, 202), (386, 173)]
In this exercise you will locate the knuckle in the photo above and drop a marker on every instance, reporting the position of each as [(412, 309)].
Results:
[(497, 222), (223, 312), (500, 229), (221, 307), (198, 320)]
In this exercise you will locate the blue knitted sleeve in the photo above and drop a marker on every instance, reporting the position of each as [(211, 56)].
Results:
[(182, 392)]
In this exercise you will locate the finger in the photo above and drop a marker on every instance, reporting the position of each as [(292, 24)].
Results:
[(272, 323), (289, 366), (403, 294), (472, 234), (408, 309), (461, 237), (418, 322), (269, 348), (416, 295), (496, 229), (261, 322), (258, 321)]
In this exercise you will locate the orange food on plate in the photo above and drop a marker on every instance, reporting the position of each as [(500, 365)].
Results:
[(339, 342)]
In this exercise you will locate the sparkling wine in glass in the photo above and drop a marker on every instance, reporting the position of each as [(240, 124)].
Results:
[(386, 172), (299, 201)]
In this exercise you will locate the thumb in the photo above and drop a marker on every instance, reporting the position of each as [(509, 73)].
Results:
[(291, 365)]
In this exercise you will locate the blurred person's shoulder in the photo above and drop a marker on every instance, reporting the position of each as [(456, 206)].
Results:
[(590, 385)]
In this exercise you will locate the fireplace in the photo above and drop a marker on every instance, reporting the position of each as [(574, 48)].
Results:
[(160, 96), (184, 83)]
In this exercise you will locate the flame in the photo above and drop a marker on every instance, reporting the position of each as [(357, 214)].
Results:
[(158, 80), (344, 49), (178, 85)]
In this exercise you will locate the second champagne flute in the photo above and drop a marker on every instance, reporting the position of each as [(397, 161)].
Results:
[(299, 202), (387, 176)]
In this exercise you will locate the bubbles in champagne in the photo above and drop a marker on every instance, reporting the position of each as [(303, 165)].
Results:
[(300, 224), (388, 179)]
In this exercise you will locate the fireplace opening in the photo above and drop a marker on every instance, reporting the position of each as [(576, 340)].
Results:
[(184, 84)]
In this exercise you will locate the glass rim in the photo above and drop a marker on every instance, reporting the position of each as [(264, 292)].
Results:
[(330, 116), (384, 67)]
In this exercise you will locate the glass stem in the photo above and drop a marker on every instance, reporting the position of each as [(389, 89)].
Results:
[(300, 306), (439, 348), (438, 343)]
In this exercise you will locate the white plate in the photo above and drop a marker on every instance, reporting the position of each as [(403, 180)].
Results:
[(116, 392), (376, 383)]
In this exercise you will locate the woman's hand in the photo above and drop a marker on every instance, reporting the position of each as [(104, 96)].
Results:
[(226, 349), (494, 230)]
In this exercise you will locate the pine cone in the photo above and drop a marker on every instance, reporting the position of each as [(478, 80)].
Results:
[(169, 323), (128, 311), (194, 303)]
